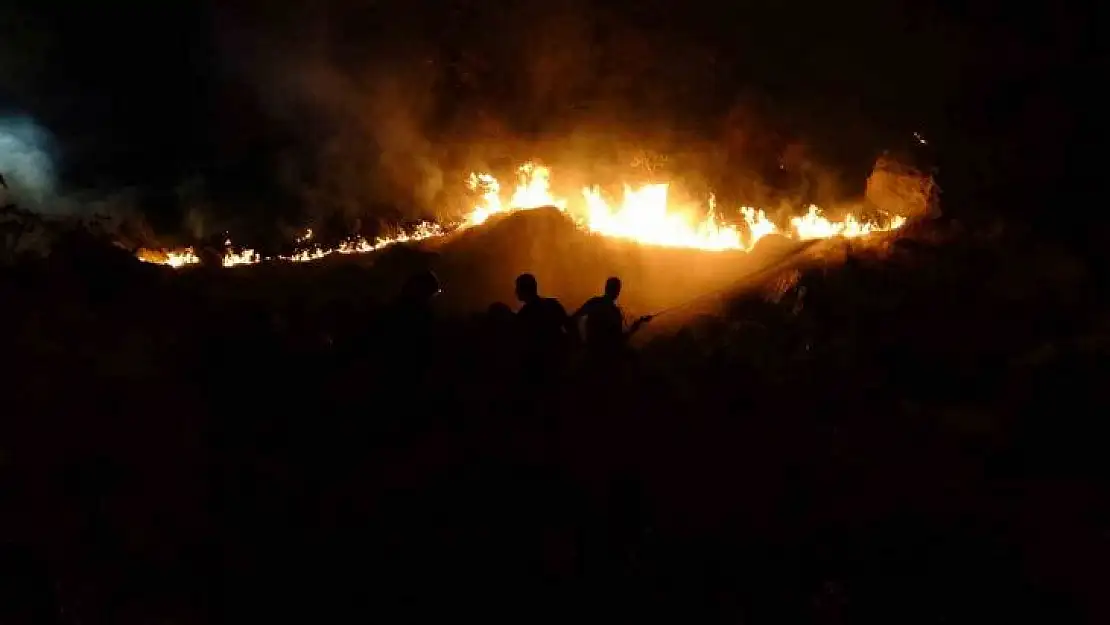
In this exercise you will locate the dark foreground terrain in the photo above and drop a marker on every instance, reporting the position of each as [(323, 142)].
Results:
[(916, 439)]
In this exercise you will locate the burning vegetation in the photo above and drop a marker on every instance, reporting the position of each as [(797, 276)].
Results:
[(645, 214)]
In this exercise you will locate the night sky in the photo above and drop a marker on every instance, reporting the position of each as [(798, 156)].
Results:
[(254, 98)]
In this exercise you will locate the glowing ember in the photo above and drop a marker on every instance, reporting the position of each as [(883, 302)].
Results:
[(174, 258), (644, 214)]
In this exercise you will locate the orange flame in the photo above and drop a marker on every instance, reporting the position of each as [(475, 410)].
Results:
[(644, 214)]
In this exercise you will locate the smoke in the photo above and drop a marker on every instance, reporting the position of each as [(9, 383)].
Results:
[(390, 108), (30, 184), (364, 135), (26, 163), (357, 117)]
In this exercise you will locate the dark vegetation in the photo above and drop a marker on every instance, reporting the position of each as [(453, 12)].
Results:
[(915, 439)]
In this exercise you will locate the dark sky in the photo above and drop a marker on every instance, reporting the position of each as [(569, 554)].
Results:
[(153, 93)]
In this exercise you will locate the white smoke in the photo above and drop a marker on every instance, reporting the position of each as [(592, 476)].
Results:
[(27, 167), (26, 164)]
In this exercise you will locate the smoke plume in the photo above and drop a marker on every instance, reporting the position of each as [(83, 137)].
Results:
[(387, 108), (26, 164)]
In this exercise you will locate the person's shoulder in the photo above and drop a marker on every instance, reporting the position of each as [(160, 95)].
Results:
[(554, 305), (592, 305)]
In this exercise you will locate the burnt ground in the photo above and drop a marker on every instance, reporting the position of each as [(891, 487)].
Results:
[(918, 440)]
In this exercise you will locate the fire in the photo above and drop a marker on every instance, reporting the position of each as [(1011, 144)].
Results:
[(172, 258), (643, 214), (813, 225), (645, 217), (532, 191), (187, 256)]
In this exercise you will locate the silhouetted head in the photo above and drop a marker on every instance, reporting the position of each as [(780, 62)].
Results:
[(613, 288), (527, 289), (421, 287), (499, 312)]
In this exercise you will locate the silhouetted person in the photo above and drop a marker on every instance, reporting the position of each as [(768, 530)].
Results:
[(606, 335), (494, 351), (499, 313), (499, 322), (544, 327), (409, 326)]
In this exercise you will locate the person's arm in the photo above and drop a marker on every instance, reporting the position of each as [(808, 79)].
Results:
[(572, 323), (636, 325), (568, 321), (582, 311)]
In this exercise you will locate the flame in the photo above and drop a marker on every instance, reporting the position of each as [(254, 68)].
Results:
[(532, 191), (813, 225), (644, 214), (170, 258), (187, 256)]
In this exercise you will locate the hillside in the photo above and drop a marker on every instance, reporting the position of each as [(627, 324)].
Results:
[(912, 422)]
